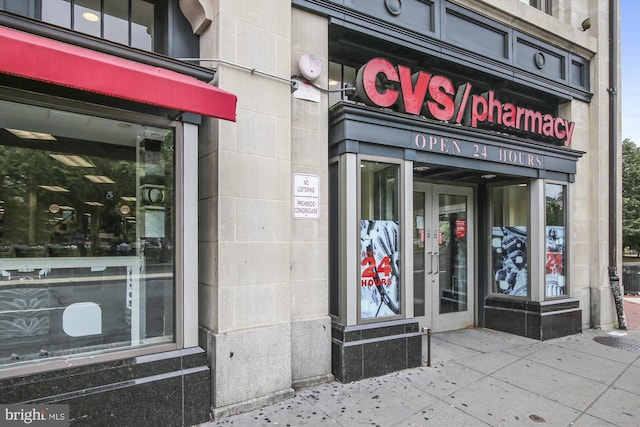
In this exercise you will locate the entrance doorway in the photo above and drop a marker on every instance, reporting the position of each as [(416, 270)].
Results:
[(443, 256)]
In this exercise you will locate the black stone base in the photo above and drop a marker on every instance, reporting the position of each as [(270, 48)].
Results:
[(371, 350), (533, 319), (163, 389)]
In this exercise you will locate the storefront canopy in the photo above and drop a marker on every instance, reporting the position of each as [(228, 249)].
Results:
[(37, 58)]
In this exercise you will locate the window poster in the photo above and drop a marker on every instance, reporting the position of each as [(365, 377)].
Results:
[(379, 269), (509, 251), (554, 261)]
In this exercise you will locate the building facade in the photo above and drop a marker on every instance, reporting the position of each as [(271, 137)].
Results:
[(205, 205)]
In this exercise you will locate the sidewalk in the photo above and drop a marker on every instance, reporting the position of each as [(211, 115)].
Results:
[(481, 377)]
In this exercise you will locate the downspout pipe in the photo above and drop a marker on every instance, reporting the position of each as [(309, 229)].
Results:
[(614, 279)]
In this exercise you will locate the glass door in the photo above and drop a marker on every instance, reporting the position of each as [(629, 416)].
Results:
[(443, 243)]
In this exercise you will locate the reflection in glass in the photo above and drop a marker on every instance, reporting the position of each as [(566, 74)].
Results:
[(452, 247), (418, 254), (85, 265), (555, 241), (509, 239)]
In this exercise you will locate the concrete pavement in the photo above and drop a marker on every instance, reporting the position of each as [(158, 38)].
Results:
[(480, 377)]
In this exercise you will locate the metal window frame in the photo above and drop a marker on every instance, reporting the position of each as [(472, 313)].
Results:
[(401, 244), (491, 291)]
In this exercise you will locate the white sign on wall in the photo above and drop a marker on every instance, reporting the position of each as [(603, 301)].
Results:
[(307, 91), (306, 196)]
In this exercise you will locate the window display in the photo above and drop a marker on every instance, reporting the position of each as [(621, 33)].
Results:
[(379, 241), (86, 234), (510, 259), (509, 240), (555, 241)]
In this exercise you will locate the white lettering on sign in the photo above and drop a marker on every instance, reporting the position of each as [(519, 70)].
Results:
[(306, 196)]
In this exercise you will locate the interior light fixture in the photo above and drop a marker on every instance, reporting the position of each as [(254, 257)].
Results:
[(26, 134), (94, 204), (100, 179), (333, 82), (55, 188), (72, 161), (90, 16), (488, 176), (128, 198)]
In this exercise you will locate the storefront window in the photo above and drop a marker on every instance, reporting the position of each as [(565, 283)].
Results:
[(509, 239), (380, 284), (555, 241), (86, 234)]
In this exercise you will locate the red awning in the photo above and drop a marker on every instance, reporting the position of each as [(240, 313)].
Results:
[(38, 58)]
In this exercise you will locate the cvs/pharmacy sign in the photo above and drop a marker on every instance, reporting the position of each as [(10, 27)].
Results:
[(382, 84)]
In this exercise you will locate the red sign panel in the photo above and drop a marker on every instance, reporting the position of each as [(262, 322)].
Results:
[(461, 228)]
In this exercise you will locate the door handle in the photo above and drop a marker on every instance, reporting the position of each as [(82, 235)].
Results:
[(430, 262), (437, 257)]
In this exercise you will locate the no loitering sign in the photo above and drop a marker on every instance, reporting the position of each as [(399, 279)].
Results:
[(306, 196)]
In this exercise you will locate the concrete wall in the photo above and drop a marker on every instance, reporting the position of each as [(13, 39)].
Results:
[(244, 211), (310, 324), (263, 297)]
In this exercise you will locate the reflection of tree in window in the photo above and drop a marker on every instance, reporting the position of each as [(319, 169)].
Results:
[(61, 205), (21, 171), (555, 205)]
